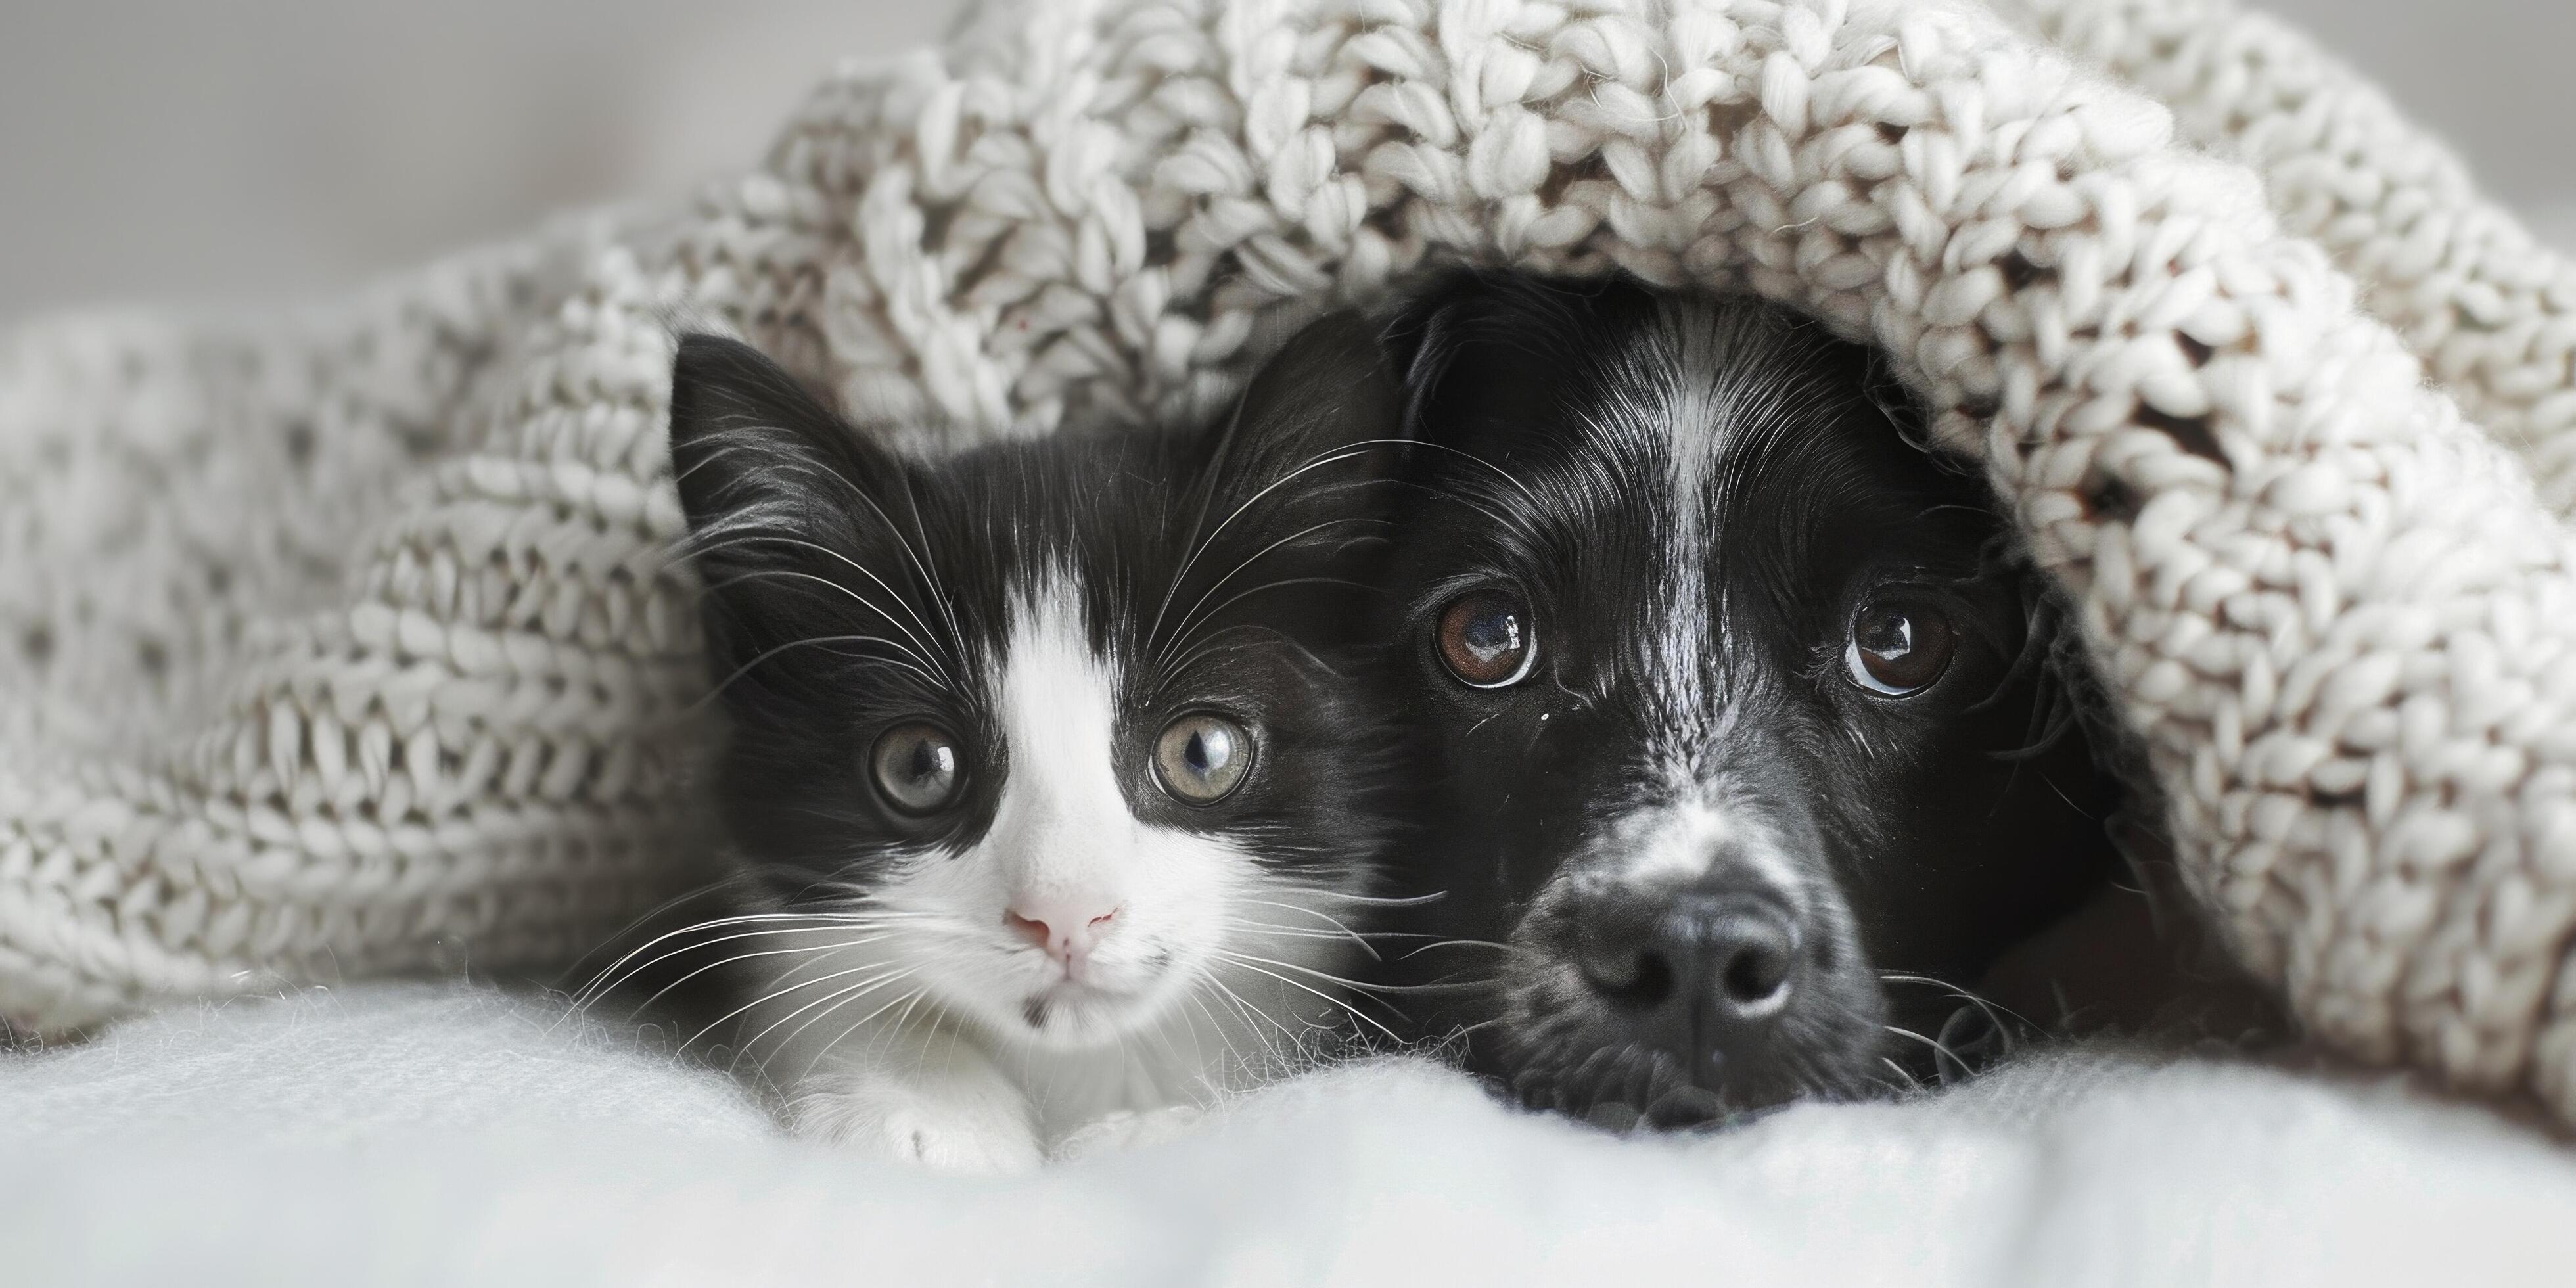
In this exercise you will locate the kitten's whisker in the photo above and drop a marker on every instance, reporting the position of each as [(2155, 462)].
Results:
[(860, 989), (1225, 1063), (1450, 984), (863, 601), (863, 570), (606, 985), (918, 556), (1162, 1034), (1218, 641), (1268, 931), (717, 692), (1325, 917), (1191, 617), (1345, 1007), (1381, 901), (1200, 545), (774, 952), (1369, 991), (820, 961), (921, 1057), (1182, 632), (1198, 1045), (932, 586), (708, 890), (860, 899), (1249, 1010), (823, 923), (837, 1038)]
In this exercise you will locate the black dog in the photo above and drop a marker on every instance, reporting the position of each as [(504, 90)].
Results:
[(1746, 725)]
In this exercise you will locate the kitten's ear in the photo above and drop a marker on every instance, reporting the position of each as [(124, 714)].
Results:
[(783, 499), (1320, 426), (1299, 493), (750, 446)]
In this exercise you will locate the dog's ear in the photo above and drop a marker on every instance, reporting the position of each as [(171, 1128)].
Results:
[(1482, 354), (784, 499)]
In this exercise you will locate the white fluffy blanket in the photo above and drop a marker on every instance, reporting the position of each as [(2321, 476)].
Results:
[(407, 1134)]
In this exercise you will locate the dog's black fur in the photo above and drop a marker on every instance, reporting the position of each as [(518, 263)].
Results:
[(1712, 855)]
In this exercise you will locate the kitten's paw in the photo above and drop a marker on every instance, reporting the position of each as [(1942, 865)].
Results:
[(1121, 1130), (980, 1132)]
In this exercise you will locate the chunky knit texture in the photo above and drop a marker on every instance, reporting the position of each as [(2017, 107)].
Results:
[(351, 645), (2491, 311)]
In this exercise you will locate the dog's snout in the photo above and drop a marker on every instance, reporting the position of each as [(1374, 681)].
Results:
[(1695, 971), (1753, 954), (1733, 949)]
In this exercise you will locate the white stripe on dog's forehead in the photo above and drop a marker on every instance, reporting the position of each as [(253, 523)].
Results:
[(1684, 412), (1687, 409)]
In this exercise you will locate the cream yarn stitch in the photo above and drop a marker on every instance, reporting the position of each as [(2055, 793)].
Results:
[(434, 707), (2492, 311)]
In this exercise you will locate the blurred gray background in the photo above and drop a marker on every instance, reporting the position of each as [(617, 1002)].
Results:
[(238, 149)]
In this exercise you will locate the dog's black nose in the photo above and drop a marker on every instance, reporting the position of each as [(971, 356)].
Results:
[(1697, 971)]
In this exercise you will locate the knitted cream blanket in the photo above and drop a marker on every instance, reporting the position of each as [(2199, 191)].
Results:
[(342, 641)]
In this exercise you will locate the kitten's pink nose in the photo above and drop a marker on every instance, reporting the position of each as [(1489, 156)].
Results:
[(1066, 928)]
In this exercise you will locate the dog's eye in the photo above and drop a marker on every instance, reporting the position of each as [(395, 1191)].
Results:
[(916, 767), (1899, 648), (1484, 638), (1202, 757)]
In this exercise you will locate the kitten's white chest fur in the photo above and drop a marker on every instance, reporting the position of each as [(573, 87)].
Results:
[(940, 1094)]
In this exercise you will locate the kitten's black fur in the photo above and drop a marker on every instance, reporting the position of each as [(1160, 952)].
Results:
[(1086, 940), (945, 542), (1834, 836)]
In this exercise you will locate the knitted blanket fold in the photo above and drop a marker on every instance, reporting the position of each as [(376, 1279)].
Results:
[(343, 640)]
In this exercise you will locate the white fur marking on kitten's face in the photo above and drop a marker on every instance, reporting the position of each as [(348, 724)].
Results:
[(1144, 906)]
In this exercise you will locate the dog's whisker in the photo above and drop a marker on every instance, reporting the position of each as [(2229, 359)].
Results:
[(1994, 1011), (1940, 1053)]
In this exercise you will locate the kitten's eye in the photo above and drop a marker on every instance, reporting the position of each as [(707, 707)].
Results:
[(1485, 639), (1202, 757), (1899, 648), (916, 767)]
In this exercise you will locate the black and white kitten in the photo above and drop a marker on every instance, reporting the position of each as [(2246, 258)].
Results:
[(1045, 763)]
